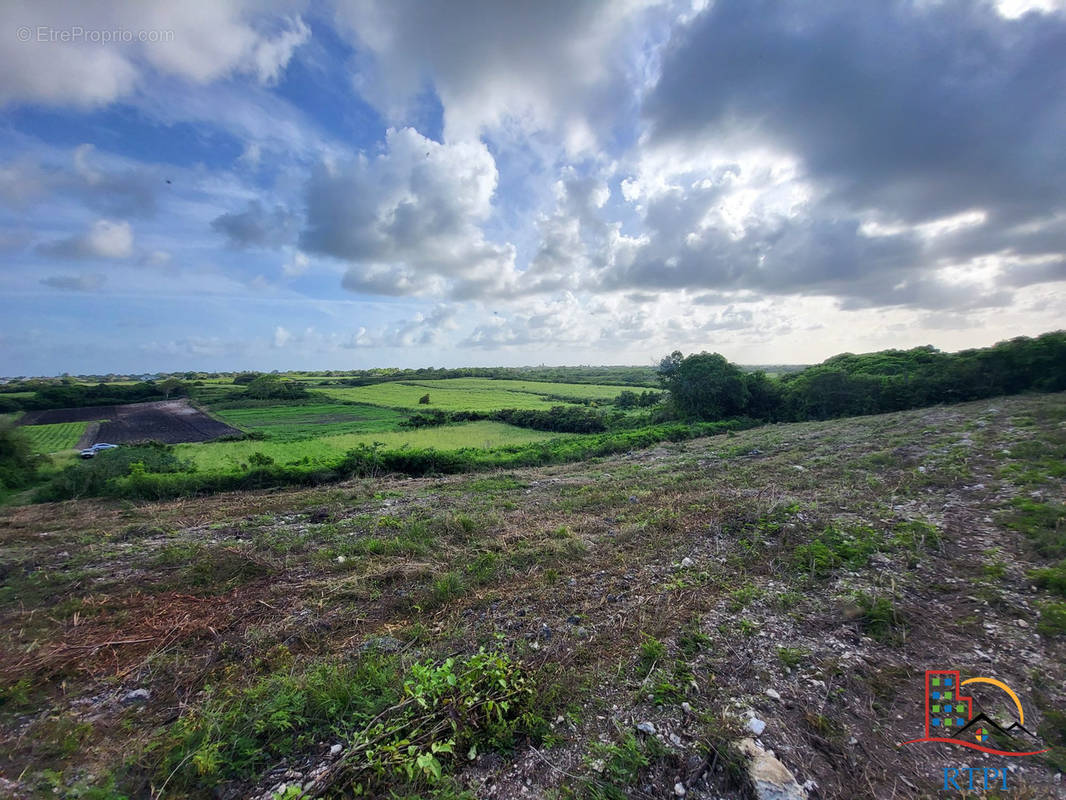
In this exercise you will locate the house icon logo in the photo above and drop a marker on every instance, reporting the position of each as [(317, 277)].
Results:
[(949, 717)]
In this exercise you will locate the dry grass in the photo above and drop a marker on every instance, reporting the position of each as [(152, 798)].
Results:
[(571, 569)]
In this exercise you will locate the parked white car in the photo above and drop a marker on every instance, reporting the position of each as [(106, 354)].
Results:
[(89, 452)]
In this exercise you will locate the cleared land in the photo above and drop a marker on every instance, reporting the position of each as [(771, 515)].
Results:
[(222, 456), (169, 421), (830, 561)]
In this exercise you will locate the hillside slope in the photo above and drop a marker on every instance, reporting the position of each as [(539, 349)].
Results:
[(803, 576)]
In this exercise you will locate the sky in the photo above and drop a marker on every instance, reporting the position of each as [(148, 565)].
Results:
[(220, 184)]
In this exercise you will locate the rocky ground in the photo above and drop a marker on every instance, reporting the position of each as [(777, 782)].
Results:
[(728, 617)]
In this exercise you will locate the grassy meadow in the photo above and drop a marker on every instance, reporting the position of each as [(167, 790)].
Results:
[(292, 423), (54, 438), (326, 449), (471, 394)]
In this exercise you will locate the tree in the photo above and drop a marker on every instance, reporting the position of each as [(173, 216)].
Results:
[(271, 387), (424, 400), (704, 386), (171, 386), (18, 463)]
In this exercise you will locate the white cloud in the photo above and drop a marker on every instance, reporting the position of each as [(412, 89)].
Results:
[(407, 219), (553, 64), (296, 264), (281, 336), (66, 60), (104, 239)]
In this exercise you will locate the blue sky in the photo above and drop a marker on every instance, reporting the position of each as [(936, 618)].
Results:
[(339, 185)]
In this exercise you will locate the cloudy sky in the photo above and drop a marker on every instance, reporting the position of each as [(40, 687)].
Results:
[(220, 184)]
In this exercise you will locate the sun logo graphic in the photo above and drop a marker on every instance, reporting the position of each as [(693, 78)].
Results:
[(949, 717)]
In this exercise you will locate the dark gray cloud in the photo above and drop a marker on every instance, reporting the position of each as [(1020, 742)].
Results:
[(915, 107), (75, 283), (258, 227), (902, 113)]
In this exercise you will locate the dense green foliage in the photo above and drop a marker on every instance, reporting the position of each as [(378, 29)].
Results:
[(706, 386), (75, 395), (95, 477), (18, 462), (645, 399), (271, 387), (558, 419), (397, 728)]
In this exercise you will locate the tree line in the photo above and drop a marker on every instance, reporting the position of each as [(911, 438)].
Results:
[(705, 386)]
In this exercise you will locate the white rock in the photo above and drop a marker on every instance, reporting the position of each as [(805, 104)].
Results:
[(686, 708), (770, 778), (679, 789), (773, 694), (646, 727), (335, 749), (675, 740), (686, 562), (136, 696), (1022, 623), (756, 725)]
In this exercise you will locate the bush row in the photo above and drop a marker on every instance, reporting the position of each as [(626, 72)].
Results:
[(156, 475)]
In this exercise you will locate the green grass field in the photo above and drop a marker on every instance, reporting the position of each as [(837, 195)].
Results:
[(53, 438), (584, 391), (470, 394), (224, 456), (292, 423)]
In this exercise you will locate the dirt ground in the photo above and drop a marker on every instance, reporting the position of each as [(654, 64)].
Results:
[(790, 584), (167, 421)]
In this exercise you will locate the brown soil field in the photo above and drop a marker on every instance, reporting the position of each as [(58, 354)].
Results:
[(167, 421)]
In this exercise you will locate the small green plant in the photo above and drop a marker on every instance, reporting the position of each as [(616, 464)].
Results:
[(1052, 620), (692, 641), (258, 459), (1052, 731), (618, 767), (739, 598), (16, 695), (836, 547), (879, 618), (792, 657), (652, 651), (1043, 523), (446, 588), (1051, 578)]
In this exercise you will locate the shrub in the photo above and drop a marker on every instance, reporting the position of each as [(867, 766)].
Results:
[(18, 463)]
